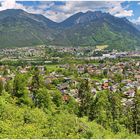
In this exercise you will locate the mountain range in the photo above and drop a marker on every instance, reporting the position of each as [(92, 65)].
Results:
[(19, 29)]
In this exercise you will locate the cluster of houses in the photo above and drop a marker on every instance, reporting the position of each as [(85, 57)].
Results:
[(22, 53), (122, 77), (102, 77), (37, 52)]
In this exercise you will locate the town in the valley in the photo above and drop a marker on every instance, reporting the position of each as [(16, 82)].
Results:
[(63, 68)]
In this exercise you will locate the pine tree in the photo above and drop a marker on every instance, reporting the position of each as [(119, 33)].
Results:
[(136, 112), (37, 83), (85, 98), (115, 109)]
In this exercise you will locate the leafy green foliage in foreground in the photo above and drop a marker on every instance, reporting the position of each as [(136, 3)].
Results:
[(26, 122), (40, 111)]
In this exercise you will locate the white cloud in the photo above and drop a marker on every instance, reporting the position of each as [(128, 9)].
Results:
[(119, 11), (61, 12), (136, 21), (124, 13), (71, 7), (10, 4)]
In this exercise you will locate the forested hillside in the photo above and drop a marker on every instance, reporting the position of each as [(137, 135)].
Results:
[(30, 108), (21, 29)]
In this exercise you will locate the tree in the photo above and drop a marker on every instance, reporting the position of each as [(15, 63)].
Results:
[(20, 89), (37, 82), (72, 106), (100, 109), (43, 99), (116, 110), (1, 86), (86, 98), (9, 86), (57, 98)]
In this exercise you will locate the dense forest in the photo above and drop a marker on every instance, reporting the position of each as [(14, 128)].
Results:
[(29, 108)]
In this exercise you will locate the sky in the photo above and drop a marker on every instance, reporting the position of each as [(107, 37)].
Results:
[(60, 10)]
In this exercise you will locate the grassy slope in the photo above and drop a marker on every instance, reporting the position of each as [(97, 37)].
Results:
[(98, 34)]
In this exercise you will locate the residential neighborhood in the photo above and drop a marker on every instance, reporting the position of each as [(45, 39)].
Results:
[(122, 76)]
